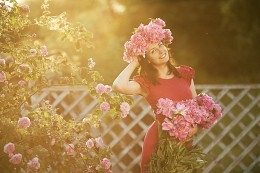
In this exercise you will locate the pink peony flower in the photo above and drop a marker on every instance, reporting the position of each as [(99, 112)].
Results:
[(70, 148), (34, 164), (16, 159), (165, 107), (91, 63), (180, 108), (181, 129), (90, 143), (168, 36), (2, 76), (100, 89), (44, 50), (99, 142), (9, 148), (159, 22), (24, 122), (105, 163), (167, 124), (104, 106)]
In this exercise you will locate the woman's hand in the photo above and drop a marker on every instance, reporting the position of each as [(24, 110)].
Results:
[(194, 130), (135, 62)]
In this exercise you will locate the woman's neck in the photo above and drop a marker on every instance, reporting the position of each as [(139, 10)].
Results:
[(163, 71)]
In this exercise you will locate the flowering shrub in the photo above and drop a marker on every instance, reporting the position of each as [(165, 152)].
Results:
[(38, 139), (181, 117)]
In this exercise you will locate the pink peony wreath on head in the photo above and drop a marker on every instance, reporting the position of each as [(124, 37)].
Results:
[(145, 35)]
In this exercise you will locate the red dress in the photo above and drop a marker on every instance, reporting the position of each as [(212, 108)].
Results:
[(176, 89)]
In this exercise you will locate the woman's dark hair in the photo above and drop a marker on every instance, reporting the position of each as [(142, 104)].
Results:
[(149, 72)]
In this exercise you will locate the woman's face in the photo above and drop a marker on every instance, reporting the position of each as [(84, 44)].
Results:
[(157, 54)]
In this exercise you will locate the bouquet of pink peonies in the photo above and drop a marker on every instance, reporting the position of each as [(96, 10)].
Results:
[(181, 117)]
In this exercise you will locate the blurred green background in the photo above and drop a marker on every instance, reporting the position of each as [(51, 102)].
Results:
[(219, 39)]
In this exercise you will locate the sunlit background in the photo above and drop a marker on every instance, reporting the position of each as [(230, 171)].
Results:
[(219, 39)]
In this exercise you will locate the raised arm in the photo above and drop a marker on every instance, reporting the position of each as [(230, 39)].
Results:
[(123, 84)]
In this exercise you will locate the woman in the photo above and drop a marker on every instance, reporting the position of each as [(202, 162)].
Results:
[(158, 78)]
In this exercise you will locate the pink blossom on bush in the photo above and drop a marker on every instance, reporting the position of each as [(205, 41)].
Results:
[(33, 35), (24, 122), (25, 9), (105, 163), (2, 76), (44, 50), (99, 142), (100, 89), (108, 89), (2, 61), (70, 148), (33, 51), (24, 68), (34, 164), (22, 83), (125, 107), (85, 120), (90, 143), (104, 106), (91, 63), (16, 159), (9, 148)]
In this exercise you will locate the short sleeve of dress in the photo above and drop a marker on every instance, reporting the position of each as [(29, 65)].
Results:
[(144, 83), (187, 72)]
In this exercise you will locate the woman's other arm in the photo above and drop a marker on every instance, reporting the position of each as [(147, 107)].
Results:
[(193, 90), (194, 94)]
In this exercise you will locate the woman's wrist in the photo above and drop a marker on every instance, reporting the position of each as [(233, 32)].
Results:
[(135, 64)]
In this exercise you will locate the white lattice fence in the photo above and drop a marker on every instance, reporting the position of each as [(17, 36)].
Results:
[(232, 145)]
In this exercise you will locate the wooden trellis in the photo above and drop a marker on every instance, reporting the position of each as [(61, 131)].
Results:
[(232, 145)]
